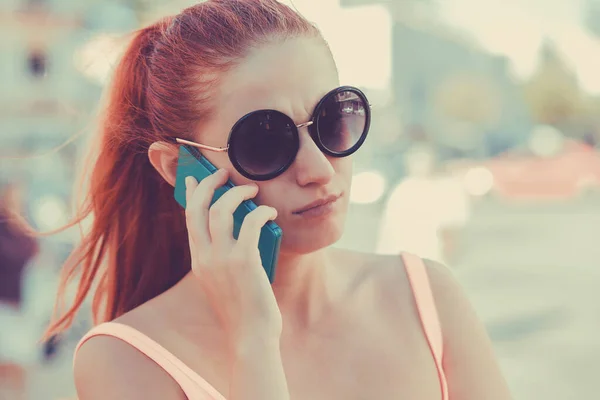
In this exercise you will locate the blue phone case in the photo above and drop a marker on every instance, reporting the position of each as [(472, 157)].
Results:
[(192, 163)]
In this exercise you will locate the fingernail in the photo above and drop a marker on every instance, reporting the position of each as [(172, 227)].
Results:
[(188, 181)]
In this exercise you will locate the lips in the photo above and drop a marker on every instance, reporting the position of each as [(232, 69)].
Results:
[(318, 203)]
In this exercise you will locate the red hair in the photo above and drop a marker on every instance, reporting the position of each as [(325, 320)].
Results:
[(137, 245)]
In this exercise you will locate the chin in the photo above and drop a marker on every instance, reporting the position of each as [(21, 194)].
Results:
[(308, 239)]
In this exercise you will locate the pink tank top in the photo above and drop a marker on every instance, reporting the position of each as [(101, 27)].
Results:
[(197, 388)]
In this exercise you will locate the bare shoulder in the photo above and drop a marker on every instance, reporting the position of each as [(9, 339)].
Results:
[(382, 264), (468, 350), (448, 294), (451, 300), (107, 367), (388, 272), (441, 278)]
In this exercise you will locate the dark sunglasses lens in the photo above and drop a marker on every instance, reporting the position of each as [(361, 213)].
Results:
[(342, 121), (264, 142)]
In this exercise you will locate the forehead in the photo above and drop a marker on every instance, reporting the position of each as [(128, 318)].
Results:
[(289, 76)]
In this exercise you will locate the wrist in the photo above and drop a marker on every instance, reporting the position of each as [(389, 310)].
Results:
[(252, 343)]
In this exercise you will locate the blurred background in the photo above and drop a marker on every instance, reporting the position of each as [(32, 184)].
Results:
[(483, 154)]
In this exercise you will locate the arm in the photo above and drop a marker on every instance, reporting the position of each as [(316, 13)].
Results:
[(106, 368), (469, 362)]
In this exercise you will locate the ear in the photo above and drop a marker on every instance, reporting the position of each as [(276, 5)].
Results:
[(163, 157)]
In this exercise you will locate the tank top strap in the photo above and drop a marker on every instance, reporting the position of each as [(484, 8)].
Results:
[(425, 305), (189, 381)]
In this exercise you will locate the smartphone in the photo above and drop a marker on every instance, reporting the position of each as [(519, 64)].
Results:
[(192, 163)]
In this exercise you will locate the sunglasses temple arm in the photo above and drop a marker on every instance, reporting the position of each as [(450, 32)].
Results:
[(309, 123), (201, 146)]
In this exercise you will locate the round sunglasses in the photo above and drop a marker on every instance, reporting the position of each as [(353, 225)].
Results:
[(263, 144)]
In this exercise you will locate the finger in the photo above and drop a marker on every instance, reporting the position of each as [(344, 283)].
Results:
[(252, 225), (220, 220), (198, 199)]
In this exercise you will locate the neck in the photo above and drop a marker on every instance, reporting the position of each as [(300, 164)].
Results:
[(303, 286)]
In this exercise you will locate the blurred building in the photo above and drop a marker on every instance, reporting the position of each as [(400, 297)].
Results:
[(447, 87)]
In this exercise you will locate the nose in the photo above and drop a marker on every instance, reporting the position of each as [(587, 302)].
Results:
[(311, 165)]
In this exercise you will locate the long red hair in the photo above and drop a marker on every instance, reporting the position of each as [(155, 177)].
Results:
[(137, 245)]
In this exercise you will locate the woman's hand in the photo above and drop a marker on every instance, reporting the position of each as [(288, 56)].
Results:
[(237, 285), (230, 270)]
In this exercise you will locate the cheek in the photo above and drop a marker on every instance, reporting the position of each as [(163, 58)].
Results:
[(269, 192), (270, 195), (343, 168)]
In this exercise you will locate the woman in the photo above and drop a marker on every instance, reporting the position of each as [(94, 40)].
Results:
[(191, 309)]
